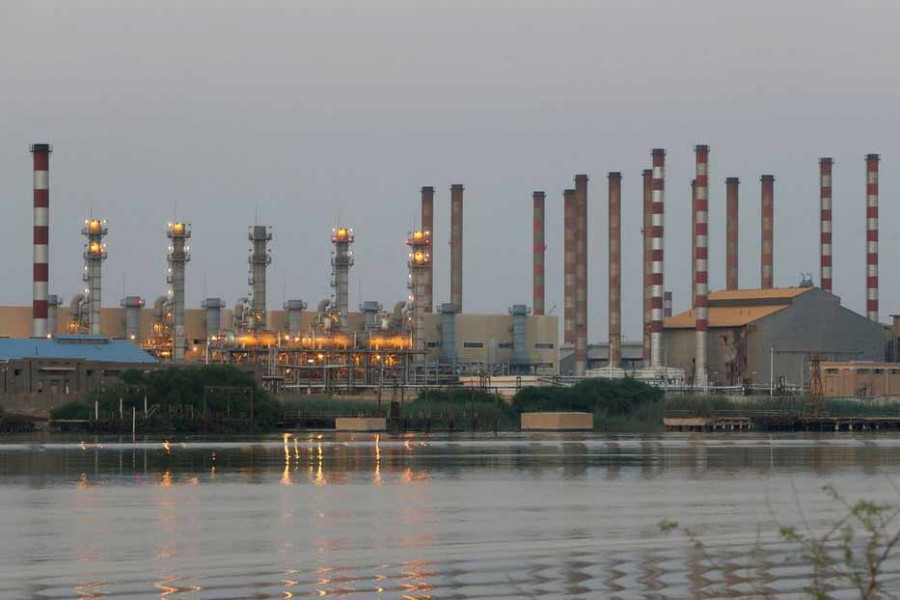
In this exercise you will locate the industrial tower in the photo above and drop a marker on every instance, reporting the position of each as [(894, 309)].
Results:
[(419, 292), (260, 258), (179, 256), (94, 255), (341, 261)]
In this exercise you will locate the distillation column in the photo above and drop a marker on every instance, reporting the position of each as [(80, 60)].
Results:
[(701, 263), (657, 230), (260, 258), (732, 232), (179, 256), (41, 259), (94, 255), (872, 237), (825, 277), (615, 270), (419, 294), (341, 261), (539, 249)]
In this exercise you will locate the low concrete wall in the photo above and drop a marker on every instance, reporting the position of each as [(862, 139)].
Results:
[(360, 424), (557, 421)]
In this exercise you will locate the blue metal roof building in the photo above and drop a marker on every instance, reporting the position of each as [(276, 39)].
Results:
[(74, 347)]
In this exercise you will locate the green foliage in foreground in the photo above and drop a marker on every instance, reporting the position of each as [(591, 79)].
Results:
[(848, 557), (461, 408), (179, 387), (325, 405)]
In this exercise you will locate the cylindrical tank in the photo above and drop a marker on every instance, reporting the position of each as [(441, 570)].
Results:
[(213, 321), (294, 310), (133, 306)]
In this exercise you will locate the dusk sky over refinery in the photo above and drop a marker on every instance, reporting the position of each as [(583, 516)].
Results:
[(308, 115)]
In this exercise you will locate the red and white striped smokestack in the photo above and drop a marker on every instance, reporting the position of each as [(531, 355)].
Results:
[(428, 227), (657, 231), (732, 232), (456, 242), (767, 273), (539, 248), (645, 234), (41, 261), (825, 223), (569, 226), (693, 241), (701, 263), (581, 271), (615, 269), (872, 237)]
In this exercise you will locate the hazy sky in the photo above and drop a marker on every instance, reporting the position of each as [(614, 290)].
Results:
[(311, 114)]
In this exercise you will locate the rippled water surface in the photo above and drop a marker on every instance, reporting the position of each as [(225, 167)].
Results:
[(363, 516)]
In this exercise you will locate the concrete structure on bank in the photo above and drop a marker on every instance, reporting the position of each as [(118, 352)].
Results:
[(758, 335)]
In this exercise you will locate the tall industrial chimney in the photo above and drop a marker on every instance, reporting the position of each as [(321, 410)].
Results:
[(701, 264), (825, 223), (872, 237), (428, 226), (656, 256), (179, 256), (41, 259), (569, 219), (615, 269), (456, 246), (539, 248), (767, 276), (341, 261), (419, 264), (645, 234), (581, 271), (732, 232), (693, 241), (94, 255)]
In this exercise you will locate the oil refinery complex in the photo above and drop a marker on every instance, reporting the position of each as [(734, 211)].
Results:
[(729, 337)]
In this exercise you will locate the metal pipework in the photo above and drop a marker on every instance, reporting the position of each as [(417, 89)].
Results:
[(825, 277), (41, 243), (133, 306), (94, 255), (569, 218), (456, 246), (732, 232), (428, 225), (701, 264), (657, 231), (539, 249), (615, 269), (419, 264), (179, 256), (645, 235), (872, 237), (213, 320), (260, 258), (581, 271), (767, 273)]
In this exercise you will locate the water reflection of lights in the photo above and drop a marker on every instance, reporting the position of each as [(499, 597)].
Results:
[(85, 483), (166, 479), (378, 459), (166, 446)]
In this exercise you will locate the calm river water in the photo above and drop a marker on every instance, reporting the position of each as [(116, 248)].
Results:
[(366, 516)]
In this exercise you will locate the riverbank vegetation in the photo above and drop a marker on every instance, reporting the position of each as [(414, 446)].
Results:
[(218, 397)]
